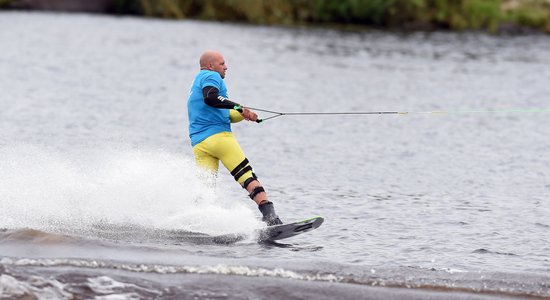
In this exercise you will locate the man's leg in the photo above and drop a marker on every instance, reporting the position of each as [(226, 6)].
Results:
[(228, 150), (206, 161)]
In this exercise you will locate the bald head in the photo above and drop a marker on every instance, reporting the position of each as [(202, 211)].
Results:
[(208, 57), (213, 61)]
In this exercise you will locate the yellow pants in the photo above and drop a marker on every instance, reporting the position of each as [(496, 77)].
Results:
[(221, 146)]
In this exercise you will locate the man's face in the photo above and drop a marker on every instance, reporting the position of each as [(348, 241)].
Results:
[(218, 65)]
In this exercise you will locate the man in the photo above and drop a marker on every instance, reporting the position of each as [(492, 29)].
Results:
[(210, 115)]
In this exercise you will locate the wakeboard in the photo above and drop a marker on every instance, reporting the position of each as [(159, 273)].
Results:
[(270, 233), (283, 231)]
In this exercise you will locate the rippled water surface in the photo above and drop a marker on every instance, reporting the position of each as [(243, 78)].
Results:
[(98, 179)]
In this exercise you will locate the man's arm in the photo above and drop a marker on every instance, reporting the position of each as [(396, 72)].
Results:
[(212, 98)]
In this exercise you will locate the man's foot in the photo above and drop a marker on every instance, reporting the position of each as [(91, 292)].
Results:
[(273, 221), (269, 215)]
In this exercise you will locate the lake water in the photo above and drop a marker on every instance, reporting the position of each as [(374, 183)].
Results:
[(99, 195)]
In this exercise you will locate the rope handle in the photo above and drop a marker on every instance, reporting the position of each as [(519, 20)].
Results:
[(240, 110)]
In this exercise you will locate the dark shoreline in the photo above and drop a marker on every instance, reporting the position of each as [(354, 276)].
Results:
[(92, 6), (501, 16)]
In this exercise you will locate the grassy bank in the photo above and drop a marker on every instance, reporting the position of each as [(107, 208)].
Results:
[(489, 15)]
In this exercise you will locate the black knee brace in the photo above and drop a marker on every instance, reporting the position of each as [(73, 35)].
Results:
[(242, 168), (249, 181), (256, 191)]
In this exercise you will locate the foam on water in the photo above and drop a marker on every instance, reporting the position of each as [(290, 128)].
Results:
[(40, 287), (48, 288), (107, 285), (220, 269), (51, 190)]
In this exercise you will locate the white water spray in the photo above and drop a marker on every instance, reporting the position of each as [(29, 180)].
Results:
[(54, 191)]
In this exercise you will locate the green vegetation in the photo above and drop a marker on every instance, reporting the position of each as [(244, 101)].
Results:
[(531, 13), (490, 15)]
